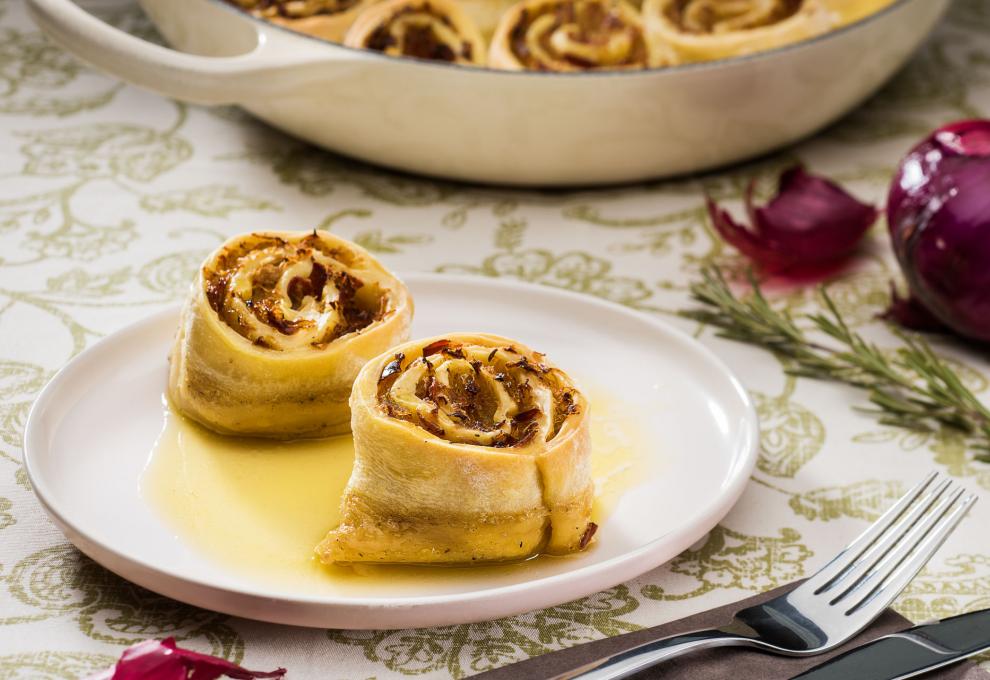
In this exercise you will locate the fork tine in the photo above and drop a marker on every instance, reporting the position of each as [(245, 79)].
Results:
[(874, 570), (884, 544), (898, 577), (851, 552)]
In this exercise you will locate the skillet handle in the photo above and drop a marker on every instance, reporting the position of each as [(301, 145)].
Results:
[(262, 72)]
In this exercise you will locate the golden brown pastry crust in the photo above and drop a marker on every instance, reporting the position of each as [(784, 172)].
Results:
[(327, 19), (276, 328), (468, 448), (849, 11), (486, 13), (438, 30), (704, 30), (572, 35)]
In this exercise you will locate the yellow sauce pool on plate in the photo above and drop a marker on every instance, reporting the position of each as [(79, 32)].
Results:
[(259, 507)]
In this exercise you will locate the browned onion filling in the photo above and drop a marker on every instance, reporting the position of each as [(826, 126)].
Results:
[(421, 32), (719, 16), (593, 24), (271, 290), (294, 9), (477, 395)]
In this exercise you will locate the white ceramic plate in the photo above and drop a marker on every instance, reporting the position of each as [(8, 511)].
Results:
[(90, 432)]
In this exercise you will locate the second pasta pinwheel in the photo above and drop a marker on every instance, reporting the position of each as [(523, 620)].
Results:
[(276, 328), (468, 448), (573, 35), (328, 19), (704, 30), (438, 30), (486, 13)]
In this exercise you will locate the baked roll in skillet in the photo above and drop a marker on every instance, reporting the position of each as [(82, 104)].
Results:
[(704, 30), (439, 30), (327, 19), (573, 35), (486, 13)]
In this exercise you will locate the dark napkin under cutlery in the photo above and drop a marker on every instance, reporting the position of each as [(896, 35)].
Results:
[(716, 664)]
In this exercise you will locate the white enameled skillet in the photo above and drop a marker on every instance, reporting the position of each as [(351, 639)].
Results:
[(495, 126)]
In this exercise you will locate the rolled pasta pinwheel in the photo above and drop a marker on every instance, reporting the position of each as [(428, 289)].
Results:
[(486, 13), (468, 448), (572, 35), (427, 29), (703, 30), (327, 19), (276, 329), (853, 10)]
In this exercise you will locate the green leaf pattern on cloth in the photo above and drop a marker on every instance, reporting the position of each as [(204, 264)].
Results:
[(731, 559), (865, 500), (213, 200), (52, 665), (6, 516), (791, 435), (110, 197), (469, 649)]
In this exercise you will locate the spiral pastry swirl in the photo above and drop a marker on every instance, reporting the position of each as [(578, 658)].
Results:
[(849, 11), (703, 30), (469, 448), (721, 16), (486, 13), (438, 30), (277, 327), (572, 35), (328, 19)]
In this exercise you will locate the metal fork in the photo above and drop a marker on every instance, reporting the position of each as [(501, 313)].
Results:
[(832, 606)]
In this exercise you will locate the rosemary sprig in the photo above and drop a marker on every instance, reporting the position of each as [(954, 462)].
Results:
[(910, 387)]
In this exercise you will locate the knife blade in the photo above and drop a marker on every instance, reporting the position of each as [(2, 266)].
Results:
[(911, 652)]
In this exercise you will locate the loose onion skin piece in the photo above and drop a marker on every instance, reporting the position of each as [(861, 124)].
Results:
[(164, 660), (468, 448), (810, 223), (938, 214)]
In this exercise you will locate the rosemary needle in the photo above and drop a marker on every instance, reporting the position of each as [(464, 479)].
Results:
[(910, 387)]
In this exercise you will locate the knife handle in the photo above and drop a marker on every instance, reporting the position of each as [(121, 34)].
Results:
[(958, 634)]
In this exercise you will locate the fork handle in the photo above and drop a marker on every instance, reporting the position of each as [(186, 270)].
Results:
[(624, 664), (590, 660)]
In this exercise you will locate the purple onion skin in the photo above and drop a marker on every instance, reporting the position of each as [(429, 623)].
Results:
[(938, 212), (808, 227)]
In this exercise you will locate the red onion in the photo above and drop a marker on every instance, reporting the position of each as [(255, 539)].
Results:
[(909, 313), (163, 660), (938, 212), (810, 223)]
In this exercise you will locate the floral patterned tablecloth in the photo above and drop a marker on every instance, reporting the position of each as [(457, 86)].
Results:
[(110, 197)]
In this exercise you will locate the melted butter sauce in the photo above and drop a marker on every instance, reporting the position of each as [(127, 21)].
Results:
[(259, 507)]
